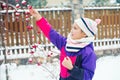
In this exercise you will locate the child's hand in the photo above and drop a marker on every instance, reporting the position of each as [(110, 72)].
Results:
[(67, 63), (35, 13)]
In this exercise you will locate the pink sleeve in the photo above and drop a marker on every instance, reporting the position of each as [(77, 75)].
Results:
[(44, 26)]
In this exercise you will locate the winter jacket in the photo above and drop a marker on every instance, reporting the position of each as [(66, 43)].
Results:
[(84, 61)]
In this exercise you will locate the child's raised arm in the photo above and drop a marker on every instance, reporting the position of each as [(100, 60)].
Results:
[(57, 39)]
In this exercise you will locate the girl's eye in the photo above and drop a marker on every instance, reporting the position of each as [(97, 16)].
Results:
[(75, 27)]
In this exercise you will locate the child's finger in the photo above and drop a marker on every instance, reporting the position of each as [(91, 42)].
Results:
[(32, 11)]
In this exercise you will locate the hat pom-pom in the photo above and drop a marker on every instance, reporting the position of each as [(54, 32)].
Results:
[(98, 21)]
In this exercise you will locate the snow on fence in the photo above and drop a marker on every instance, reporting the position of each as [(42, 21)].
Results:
[(106, 44), (20, 52)]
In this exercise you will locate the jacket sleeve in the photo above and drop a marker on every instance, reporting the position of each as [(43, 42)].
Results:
[(77, 73), (50, 33), (85, 71)]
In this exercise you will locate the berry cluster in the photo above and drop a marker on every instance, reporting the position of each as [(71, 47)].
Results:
[(29, 27), (23, 6)]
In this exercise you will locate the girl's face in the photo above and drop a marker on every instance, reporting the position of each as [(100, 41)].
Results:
[(76, 32)]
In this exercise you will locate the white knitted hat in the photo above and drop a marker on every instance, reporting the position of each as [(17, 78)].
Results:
[(88, 26)]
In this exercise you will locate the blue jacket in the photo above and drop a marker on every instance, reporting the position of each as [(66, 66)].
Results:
[(84, 61)]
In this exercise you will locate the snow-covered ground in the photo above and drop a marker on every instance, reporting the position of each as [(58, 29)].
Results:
[(108, 68), (47, 71)]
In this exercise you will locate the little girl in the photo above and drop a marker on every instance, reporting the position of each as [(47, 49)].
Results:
[(77, 56)]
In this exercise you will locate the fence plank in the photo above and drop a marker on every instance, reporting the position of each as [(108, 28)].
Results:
[(16, 32), (105, 24), (100, 25), (25, 33), (112, 23), (109, 26), (56, 21), (11, 30), (61, 22), (119, 24), (6, 30), (69, 21), (65, 23), (48, 18), (35, 33), (21, 27)]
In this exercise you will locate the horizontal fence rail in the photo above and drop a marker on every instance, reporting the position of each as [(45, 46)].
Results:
[(106, 44), (20, 52)]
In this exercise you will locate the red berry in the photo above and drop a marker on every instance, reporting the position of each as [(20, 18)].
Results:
[(17, 18), (51, 53), (15, 11), (26, 16), (27, 19), (29, 7), (32, 52), (16, 0), (34, 46), (38, 32), (39, 42), (24, 2), (4, 5), (17, 14), (38, 64), (29, 27), (30, 60), (17, 5), (27, 12), (33, 36), (48, 55)]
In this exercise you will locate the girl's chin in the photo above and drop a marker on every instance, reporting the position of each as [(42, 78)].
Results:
[(73, 38)]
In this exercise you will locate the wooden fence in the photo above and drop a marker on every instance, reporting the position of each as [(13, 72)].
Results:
[(16, 32), (18, 39), (109, 27)]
